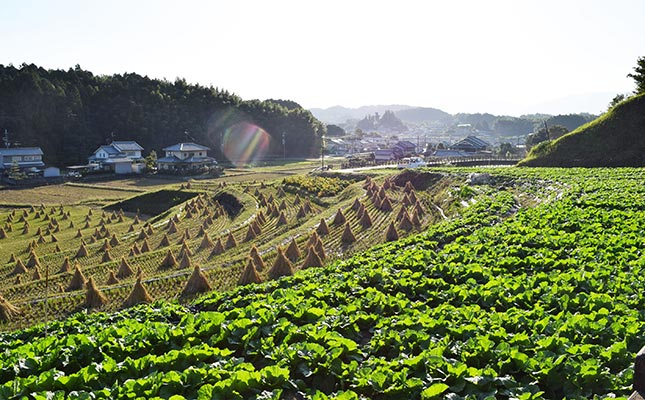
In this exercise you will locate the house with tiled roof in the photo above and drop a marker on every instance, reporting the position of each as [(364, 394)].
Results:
[(184, 157), (23, 157), (404, 148), (122, 157), (471, 144)]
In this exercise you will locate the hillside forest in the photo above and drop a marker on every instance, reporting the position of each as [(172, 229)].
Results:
[(69, 114)]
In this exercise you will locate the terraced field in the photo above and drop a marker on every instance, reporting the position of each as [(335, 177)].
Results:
[(210, 229)]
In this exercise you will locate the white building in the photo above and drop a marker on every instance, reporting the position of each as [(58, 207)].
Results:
[(122, 157), (185, 157)]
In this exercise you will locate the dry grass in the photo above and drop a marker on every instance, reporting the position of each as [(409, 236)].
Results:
[(281, 266), (138, 295), (197, 283), (62, 194), (7, 310), (94, 298), (250, 274)]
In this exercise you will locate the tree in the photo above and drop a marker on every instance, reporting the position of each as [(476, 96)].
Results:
[(68, 114), (543, 135), (151, 160), (390, 121), (570, 121), (617, 99), (14, 172), (639, 76), (557, 131), (510, 126), (335, 130), (506, 149)]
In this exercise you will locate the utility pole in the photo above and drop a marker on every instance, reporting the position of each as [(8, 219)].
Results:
[(284, 146), (46, 297), (322, 152)]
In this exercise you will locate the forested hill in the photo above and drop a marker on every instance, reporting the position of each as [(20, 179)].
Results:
[(70, 113)]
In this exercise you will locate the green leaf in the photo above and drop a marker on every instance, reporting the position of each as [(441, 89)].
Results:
[(434, 391)]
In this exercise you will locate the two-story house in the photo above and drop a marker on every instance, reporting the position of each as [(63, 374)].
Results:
[(404, 148), (185, 157), (122, 157), (23, 157)]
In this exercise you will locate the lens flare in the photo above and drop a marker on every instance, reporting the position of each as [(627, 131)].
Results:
[(245, 143)]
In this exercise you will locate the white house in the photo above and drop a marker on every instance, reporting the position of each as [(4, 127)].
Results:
[(122, 157), (185, 157), (337, 146), (23, 157), (384, 155)]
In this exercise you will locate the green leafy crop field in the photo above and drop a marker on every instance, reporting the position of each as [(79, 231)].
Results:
[(497, 301)]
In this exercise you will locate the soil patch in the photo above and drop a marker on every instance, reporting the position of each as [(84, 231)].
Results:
[(420, 180)]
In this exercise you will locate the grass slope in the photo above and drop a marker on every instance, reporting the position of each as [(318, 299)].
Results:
[(616, 139), (542, 303)]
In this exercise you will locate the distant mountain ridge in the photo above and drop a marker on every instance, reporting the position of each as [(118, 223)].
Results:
[(340, 114), (422, 114), (351, 118), (418, 115)]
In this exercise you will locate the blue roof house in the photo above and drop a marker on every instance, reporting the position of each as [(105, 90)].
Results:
[(183, 157)]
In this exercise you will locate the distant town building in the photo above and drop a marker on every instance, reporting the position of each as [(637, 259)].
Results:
[(185, 157), (22, 157), (447, 153), (384, 155), (471, 144), (337, 146), (404, 148), (464, 129)]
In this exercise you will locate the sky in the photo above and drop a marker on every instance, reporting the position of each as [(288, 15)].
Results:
[(503, 57)]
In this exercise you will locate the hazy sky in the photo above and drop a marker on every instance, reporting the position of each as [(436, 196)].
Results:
[(503, 57)]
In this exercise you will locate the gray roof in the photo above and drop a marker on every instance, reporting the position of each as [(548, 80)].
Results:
[(405, 144), (190, 160), (118, 160), (199, 160), (108, 148), (170, 160), (186, 147), (449, 153), (22, 164), (21, 151), (129, 145), (471, 142)]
